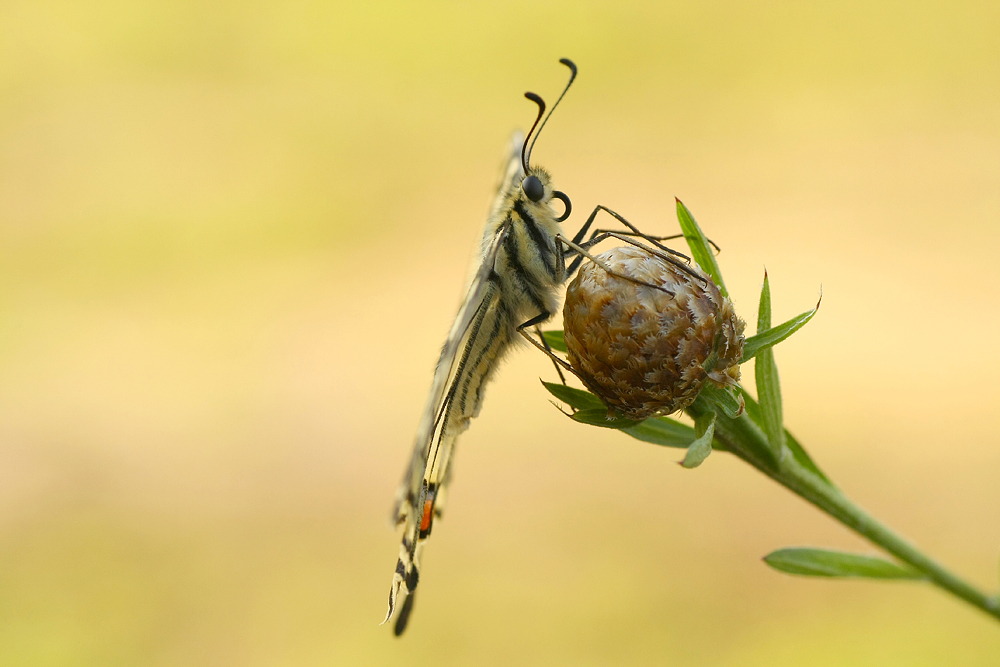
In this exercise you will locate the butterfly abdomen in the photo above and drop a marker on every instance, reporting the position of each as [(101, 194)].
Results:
[(490, 337)]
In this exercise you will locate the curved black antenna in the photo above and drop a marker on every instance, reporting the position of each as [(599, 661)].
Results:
[(572, 68), (561, 196), (541, 109)]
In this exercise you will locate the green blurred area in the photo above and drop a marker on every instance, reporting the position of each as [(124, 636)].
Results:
[(232, 237)]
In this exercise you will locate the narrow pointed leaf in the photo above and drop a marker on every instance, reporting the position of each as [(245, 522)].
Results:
[(599, 417), (699, 450), (700, 249), (754, 345), (728, 404), (658, 430), (556, 340), (768, 386), (800, 454), (743, 430), (576, 398), (663, 431), (824, 563)]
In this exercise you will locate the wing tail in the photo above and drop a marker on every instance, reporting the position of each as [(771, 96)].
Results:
[(417, 511)]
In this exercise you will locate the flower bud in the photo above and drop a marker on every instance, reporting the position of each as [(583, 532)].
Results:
[(646, 351)]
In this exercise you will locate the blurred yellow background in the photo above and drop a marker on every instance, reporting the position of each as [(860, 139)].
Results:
[(233, 236)]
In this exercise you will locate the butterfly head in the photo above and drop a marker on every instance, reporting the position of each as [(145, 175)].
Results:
[(537, 188)]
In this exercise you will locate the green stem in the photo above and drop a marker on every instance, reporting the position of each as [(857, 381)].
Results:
[(744, 439)]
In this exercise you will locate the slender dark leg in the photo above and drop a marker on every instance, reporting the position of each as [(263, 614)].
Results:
[(597, 238), (552, 355), (537, 319), (582, 252), (656, 238), (583, 231), (548, 349), (543, 346), (635, 229)]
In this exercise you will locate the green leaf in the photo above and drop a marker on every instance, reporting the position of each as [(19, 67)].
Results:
[(658, 430), (723, 399), (741, 431), (824, 563), (577, 398), (754, 345), (699, 450), (556, 340), (663, 431), (699, 246), (599, 417), (768, 386), (800, 454)]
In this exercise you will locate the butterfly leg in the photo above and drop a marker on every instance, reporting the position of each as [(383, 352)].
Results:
[(600, 234), (635, 232), (543, 346), (548, 350), (654, 238), (578, 239), (582, 252), (683, 266)]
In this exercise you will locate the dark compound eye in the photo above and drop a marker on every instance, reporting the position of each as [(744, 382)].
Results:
[(533, 188)]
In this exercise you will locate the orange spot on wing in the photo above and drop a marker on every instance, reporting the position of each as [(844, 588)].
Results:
[(425, 521)]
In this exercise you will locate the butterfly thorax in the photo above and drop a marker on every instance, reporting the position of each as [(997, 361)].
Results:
[(529, 267)]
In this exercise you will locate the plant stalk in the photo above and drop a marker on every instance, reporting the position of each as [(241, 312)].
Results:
[(742, 438)]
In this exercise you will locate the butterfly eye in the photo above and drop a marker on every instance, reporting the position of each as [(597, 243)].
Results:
[(533, 188)]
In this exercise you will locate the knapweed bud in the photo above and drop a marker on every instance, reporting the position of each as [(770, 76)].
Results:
[(647, 351)]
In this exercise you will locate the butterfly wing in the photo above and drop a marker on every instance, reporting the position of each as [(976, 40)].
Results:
[(420, 494), (511, 172)]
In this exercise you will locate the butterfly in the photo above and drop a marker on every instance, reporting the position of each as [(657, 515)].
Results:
[(522, 264)]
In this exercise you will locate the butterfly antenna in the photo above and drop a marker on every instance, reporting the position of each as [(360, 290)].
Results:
[(541, 110), (572, 68)]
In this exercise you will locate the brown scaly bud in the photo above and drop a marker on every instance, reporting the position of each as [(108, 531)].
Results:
[(647, 351)]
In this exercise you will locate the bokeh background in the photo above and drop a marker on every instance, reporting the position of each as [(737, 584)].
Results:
[(233, 236)]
